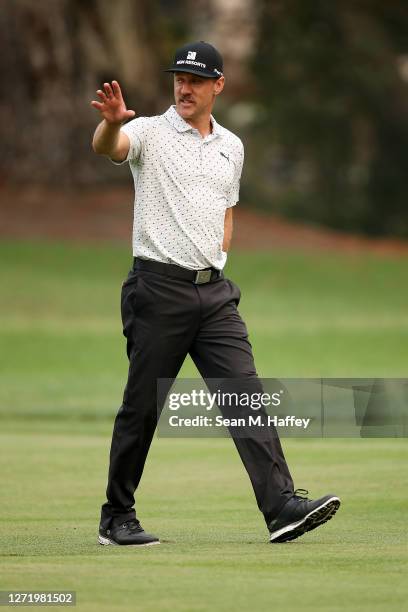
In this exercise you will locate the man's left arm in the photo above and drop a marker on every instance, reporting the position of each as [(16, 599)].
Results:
[(227, 230), (233, 198)]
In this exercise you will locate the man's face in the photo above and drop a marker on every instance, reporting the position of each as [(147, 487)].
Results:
[(195, 95)]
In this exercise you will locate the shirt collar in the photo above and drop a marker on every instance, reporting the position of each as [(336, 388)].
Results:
[(180, 125)]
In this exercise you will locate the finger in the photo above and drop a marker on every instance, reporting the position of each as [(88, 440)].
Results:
[(129, 114), (116, 89), (102, 95), (108, 90), (97, 105)]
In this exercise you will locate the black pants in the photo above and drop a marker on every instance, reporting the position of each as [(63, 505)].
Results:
[(164, 319)]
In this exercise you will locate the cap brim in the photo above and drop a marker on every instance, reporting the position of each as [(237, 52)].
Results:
[(202, 73)]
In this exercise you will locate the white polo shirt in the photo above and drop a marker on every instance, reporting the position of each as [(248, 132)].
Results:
[(183, 185)]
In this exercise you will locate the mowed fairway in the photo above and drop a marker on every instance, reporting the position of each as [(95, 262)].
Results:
[(62, 371)]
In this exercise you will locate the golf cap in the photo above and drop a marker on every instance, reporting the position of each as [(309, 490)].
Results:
[(198, 58)]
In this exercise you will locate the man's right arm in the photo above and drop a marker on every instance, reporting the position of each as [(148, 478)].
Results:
[(108, 139)]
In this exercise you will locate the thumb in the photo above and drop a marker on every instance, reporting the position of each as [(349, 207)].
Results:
[(129, 114)]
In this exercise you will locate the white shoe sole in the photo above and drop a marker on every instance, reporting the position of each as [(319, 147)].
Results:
[(107, 542), (314, 519)]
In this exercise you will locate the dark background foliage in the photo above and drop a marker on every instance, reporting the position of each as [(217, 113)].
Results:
[(316, 89)]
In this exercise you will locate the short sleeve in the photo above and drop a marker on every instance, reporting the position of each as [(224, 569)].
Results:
[(135, 131), (233, 195)]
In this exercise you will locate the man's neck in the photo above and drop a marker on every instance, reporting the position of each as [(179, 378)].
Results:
[(203, 124)]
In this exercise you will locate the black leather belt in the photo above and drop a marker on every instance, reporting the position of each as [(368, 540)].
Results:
[(198, 277)]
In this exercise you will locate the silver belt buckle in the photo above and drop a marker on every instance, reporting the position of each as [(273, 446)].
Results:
[(202, 276)]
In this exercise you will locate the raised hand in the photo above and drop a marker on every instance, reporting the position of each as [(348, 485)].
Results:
[(112, 106)]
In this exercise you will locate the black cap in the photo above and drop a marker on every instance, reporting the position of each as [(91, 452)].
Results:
[(198, 58)]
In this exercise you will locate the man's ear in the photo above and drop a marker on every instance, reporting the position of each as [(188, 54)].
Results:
[(219, 85)]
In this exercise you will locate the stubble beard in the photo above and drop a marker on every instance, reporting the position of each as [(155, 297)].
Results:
[(188, 111)]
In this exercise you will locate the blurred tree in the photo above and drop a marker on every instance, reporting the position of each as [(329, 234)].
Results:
[(54, 55), (331, 135), (322, 105), (230, 25)]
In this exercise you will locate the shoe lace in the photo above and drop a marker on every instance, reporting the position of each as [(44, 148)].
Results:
[(301, 494), (133, 525)]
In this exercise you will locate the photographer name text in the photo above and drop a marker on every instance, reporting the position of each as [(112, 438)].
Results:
[(249, 421)]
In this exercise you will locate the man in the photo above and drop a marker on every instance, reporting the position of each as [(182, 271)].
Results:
[(176, 300)]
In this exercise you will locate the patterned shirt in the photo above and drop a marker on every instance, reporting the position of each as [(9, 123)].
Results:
[(183, 185)]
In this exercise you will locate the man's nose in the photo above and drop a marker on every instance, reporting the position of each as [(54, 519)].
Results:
[(185, 88)]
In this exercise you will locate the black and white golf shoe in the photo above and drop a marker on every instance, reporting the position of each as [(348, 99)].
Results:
[(129, 533), (301, 514)]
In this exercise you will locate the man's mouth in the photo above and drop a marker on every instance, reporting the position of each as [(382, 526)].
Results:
[(186, 102)]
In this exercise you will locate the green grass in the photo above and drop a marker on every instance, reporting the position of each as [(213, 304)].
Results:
[(62, 368), (214, 552), (315, 315)]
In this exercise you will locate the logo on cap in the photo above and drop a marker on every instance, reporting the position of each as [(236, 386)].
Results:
[(191, 55)]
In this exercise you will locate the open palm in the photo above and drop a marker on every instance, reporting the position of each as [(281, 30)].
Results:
[(112, 106)]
